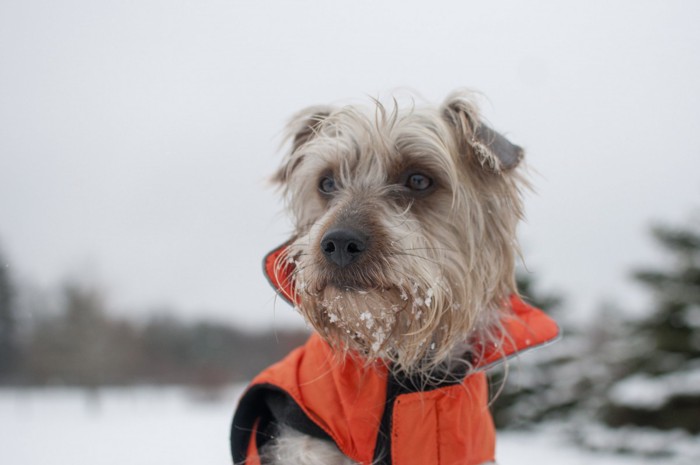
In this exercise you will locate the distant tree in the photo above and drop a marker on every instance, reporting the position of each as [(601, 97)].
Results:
[(82, 345), (661, 385), (207, 353), (9, 350), (528, 388)]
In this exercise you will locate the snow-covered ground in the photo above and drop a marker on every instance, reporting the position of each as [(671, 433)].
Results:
[(149, 426)]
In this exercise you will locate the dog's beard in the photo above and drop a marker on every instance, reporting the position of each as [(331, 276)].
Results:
[(411, 320)]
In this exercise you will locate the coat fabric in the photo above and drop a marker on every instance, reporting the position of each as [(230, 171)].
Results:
[(373, 415)]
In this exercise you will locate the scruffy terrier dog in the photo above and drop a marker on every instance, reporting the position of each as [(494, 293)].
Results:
[(402, 261)]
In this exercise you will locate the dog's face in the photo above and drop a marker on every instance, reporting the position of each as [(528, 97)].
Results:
[(405, 227)]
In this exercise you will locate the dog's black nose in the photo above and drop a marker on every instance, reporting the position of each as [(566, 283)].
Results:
[(343, 246)]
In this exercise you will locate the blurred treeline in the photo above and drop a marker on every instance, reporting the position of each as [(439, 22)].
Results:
[(71, 339)]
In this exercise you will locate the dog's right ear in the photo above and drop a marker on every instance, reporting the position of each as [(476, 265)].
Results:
[(302, 128), (490, 148)]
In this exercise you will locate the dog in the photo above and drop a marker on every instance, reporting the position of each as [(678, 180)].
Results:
[(403, 263)]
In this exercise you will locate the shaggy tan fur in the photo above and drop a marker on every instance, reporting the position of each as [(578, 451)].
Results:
[(439, 266)]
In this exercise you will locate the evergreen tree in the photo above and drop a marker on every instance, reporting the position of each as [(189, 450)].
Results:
[(8, 324), (525, 390), (661, 388)]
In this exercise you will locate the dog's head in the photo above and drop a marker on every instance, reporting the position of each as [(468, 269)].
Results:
[(405, 220)]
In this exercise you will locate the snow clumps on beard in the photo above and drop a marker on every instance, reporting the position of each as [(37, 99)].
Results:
[(403, 325)]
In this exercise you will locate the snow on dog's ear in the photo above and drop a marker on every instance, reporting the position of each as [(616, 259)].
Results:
[(301, 129), (491, 149)]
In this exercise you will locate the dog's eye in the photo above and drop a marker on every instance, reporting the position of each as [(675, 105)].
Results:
[(327, 185), (418, 182)]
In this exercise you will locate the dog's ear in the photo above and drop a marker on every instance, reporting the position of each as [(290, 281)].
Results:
[(301, 128), (491, 149)]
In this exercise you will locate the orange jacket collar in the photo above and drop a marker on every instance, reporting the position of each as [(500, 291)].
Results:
[(525, 328)]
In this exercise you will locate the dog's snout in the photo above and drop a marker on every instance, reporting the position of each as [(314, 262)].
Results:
[(343, 246)]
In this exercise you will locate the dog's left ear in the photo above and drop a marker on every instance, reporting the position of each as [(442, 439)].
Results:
[(301, 129), (303, 126), (491, 149)]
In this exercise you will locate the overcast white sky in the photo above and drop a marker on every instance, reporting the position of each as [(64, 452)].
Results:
[(135, 136)]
